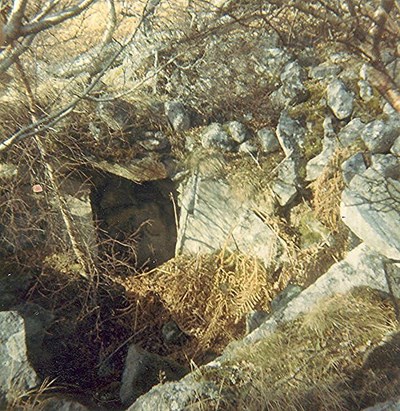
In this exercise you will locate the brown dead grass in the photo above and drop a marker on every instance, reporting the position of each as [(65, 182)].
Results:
[(315, 362), (327, 189), (208, 296), (85, 31)]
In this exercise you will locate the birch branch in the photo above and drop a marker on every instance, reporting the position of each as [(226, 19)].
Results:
[(54, 19)]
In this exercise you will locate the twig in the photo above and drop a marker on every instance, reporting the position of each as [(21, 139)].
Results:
[(50, 120)]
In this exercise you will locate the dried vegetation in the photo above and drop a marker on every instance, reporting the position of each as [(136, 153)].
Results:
[(311, 363), (328, 359)]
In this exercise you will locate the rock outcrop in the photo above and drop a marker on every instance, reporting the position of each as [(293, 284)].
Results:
[(361, 268), (371, 206), (212, 218), (17, 376)]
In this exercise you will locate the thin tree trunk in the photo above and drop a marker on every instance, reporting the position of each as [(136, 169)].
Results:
[(82, 254)]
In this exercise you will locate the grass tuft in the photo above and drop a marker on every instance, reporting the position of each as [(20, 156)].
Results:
[(315, 362)]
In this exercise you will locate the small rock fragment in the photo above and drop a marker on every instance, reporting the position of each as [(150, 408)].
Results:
[(340, 99), (177, 115), (268, 140), (214, 136)]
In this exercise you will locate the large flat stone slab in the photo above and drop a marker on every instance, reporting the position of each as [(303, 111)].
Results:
[(212, 218), (370, 207)]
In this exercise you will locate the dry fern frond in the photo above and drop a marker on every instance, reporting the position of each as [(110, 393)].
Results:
[(208, 295)]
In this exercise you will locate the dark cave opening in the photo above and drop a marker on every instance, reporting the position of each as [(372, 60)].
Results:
[(137, 221)]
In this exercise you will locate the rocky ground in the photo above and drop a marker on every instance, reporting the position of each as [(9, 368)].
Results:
[(216, 227)]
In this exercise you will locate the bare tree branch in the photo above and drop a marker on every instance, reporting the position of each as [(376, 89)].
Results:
[(380, 19), (92, 60), (111, 23), (79, 247), (51, 119), (386, 87), (10, 55), (13, 27), (47, 8), (41, 24), (2, 33)]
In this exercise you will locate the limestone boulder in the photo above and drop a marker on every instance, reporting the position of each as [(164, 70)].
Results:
[(215, 136), (362, 267), (178, 116), (268, 140), (317, 164), (139, 170), (353, 166), (325, 70), (62, 404), (13, 286), (213, 217), (271, 61), (391, 405), (386, 165), (331, 142), (17, 375), (283, 298), (293, 90), (290, 134), (172, 334), (118, 114), (285, 185), (339, 99), (370, 206), (379, 135), (175, 396), (37, 321), (154, 141), (237, 130), (254, 319), (351, 132), (143, 370), (396, 147), (366, 92), (76, 195)]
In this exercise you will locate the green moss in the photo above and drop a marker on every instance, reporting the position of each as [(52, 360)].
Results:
[(370, 110), (312, 112), (311, 230), (250, 178)]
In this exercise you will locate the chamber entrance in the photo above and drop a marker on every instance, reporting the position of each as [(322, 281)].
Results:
[(137, 220)]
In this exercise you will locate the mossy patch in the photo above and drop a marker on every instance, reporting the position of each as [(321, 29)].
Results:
[(312, 113), (251, 177), (369, 110), (310, 230)]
